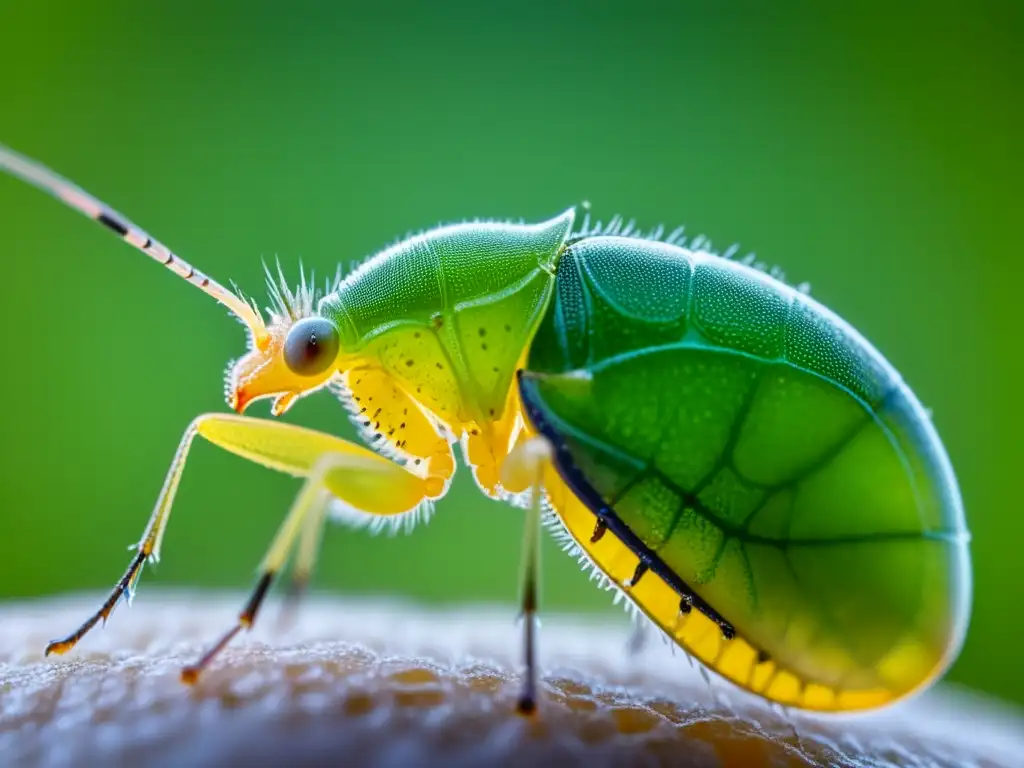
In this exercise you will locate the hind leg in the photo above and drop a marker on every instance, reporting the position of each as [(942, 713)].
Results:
[(525, 467)]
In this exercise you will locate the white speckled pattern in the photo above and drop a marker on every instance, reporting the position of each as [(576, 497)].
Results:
[(382, 684)]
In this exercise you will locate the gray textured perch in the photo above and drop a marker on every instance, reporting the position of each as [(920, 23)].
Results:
[(381, 684)]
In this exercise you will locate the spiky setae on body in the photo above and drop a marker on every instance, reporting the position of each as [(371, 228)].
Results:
[(708, 415), (735, 459), (445, 318)]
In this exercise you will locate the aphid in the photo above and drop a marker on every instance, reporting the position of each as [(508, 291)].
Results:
[(730, 455)]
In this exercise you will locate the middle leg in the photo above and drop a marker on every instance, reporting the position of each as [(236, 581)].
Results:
[(331, 477), (306, 551)]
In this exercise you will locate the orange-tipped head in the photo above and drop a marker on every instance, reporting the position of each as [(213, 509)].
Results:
[(296, 353), (291, 356)]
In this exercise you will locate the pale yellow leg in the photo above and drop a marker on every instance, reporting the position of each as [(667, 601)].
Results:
[(305, 559), (357, 476), (524, 467), (487, 447), (309, 544), (331, 476)]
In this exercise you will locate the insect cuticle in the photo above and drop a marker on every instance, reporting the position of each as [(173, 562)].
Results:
[(615, 366), (641, 569)]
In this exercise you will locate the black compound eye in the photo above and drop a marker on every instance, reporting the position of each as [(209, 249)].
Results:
[(311, 346)]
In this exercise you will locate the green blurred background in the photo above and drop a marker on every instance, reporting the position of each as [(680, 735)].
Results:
[(877, 156)]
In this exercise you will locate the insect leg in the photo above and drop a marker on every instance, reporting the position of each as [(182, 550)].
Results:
[(638, 637), (332, 475), (375, 485), (529, 459), (302, 569), (148, 548), (391, 421)]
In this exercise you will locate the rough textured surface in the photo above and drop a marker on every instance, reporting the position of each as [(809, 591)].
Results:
[(384, 684)]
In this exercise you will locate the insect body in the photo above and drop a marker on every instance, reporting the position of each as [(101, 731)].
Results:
[(745, 467)]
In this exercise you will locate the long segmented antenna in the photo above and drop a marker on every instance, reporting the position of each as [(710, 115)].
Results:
[(42, 177)]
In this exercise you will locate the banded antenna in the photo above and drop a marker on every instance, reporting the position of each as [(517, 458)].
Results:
[(42, 177)]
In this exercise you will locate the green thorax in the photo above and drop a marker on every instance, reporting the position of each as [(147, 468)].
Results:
[(449, 313)]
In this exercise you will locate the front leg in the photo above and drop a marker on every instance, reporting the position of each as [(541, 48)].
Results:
[(360, 478)]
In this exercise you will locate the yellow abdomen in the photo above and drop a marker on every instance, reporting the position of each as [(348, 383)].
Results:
[(734, 658)]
